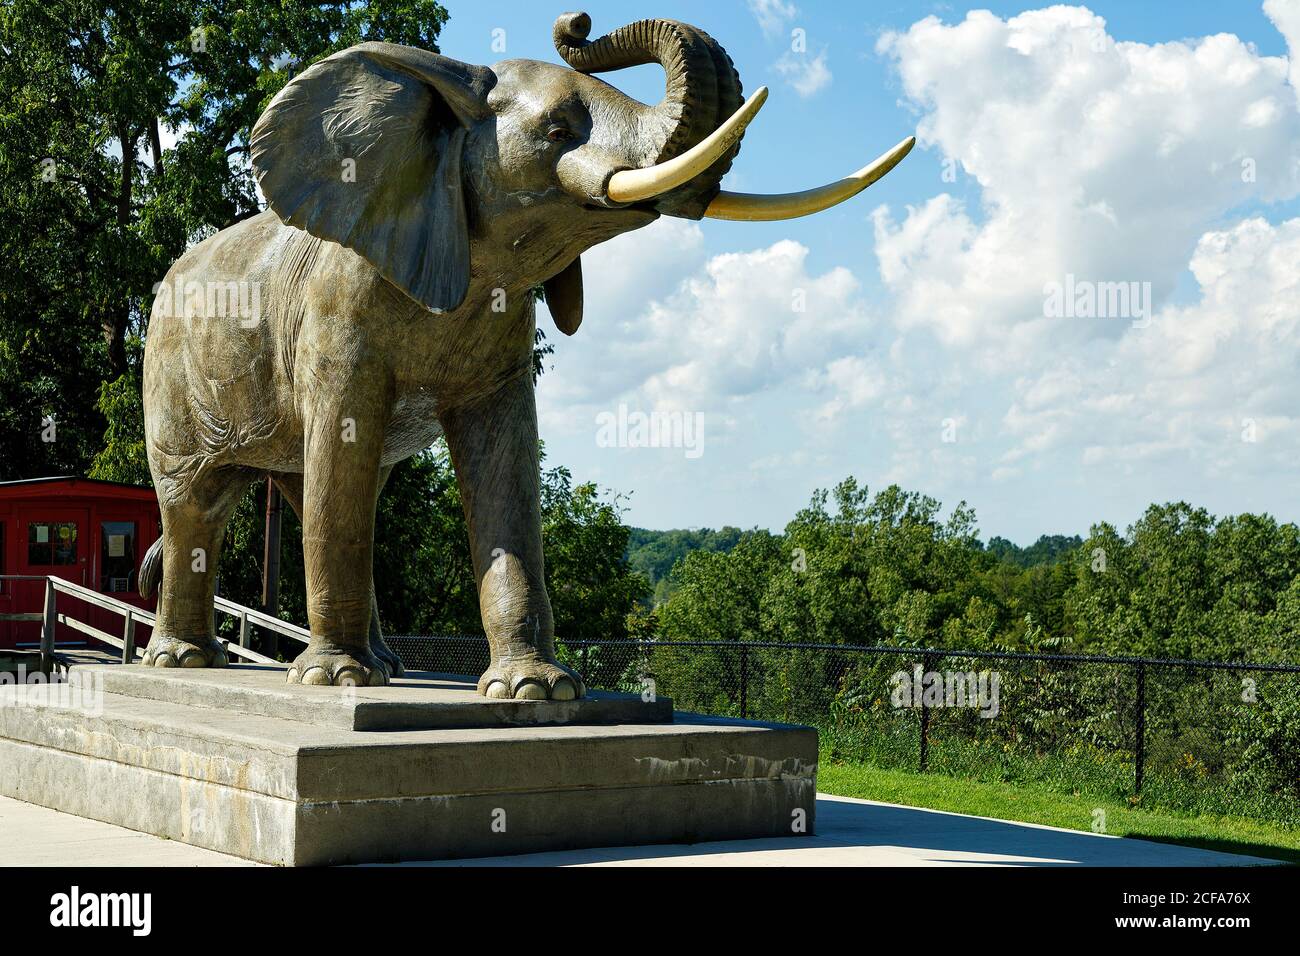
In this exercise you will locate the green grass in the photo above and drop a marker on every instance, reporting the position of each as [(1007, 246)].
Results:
[(1034, 804)]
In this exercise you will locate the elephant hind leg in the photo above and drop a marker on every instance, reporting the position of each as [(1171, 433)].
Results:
[(378, 646), (194, 525)]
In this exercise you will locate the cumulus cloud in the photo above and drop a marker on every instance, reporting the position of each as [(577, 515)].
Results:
[(1104, 162), (745, 323), (773, 16), (1101, 159), (853, 381), (806, 75), (1285, 15), (1214, 379)]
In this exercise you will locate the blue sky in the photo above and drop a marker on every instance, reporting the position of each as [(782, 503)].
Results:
[(1118, 142)]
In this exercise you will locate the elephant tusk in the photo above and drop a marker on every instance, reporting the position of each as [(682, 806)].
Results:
[(635, 185), (752, 207)]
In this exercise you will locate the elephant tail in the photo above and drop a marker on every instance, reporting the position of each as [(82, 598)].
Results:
[(151, 569)]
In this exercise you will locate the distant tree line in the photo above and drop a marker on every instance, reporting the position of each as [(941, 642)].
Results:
[(888, 568), (654, 553)]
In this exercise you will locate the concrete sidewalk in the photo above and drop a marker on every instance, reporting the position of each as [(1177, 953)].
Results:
[(849, 833), (35, 836)]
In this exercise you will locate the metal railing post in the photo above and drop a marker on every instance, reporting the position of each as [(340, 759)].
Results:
[(271, 564), (244, 636), (128, 638), (47, 628), (1140, 732)]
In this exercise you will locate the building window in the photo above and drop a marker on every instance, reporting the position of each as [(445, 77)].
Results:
[(51, 543), (117, 556)]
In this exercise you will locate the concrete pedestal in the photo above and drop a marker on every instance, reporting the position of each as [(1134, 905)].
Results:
[(238, 761)]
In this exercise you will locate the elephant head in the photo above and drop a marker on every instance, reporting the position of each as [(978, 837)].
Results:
[(449, 177)]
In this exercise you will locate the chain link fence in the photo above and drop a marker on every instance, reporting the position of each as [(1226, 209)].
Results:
[(1193, 736)]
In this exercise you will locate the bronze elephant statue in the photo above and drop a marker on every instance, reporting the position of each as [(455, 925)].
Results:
[(415, 203)]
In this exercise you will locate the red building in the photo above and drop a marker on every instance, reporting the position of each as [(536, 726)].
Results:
[(93, 533)]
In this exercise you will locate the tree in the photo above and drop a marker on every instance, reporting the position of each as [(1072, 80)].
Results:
[(123, 456), (654, 553), (719, 594), (94, 208), (592, 587)]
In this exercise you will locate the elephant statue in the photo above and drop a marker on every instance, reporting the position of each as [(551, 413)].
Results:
[(415, 203)]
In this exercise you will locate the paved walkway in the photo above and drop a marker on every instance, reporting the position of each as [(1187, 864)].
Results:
[(34, 836), (849, 833)]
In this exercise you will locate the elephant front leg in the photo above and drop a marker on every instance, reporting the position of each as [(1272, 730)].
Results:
[(493, 444), (291, 487), (344, 443)]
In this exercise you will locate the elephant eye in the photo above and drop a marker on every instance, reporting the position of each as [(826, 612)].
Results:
[(558, 134)]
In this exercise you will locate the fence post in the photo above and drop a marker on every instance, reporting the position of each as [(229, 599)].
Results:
[(1140, 747), (245, 637), (744, 681), (927, 665), (47, 628), (128, 638)]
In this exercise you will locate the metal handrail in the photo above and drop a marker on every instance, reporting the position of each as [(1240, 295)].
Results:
[(248, 615), (133, 615)]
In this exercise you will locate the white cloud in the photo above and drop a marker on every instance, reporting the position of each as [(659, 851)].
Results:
[(805, 75), (1285, 15), (1102, 159), (855, 381), (1113, 162), (747, 322), (773, 16), (1197, 377)]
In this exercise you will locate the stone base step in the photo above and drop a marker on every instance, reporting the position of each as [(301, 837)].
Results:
[(417, 701), (310, 791)]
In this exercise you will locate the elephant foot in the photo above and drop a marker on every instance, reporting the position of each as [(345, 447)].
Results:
[(387, 655), (341, 666), (174, 652), (530, 679)]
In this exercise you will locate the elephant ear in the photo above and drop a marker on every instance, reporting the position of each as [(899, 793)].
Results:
[(364, 149), (564, 297)]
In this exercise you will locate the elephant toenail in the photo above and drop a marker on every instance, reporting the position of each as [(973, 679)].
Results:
[(350, 677), (315, 675), (563, 690), (164, 660), (530, 690), (498, 689)]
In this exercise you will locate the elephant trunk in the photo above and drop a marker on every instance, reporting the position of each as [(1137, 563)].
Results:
[(702, 90)]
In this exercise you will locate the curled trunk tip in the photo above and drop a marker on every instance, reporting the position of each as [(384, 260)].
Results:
[(571, 29), (701, 91)]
